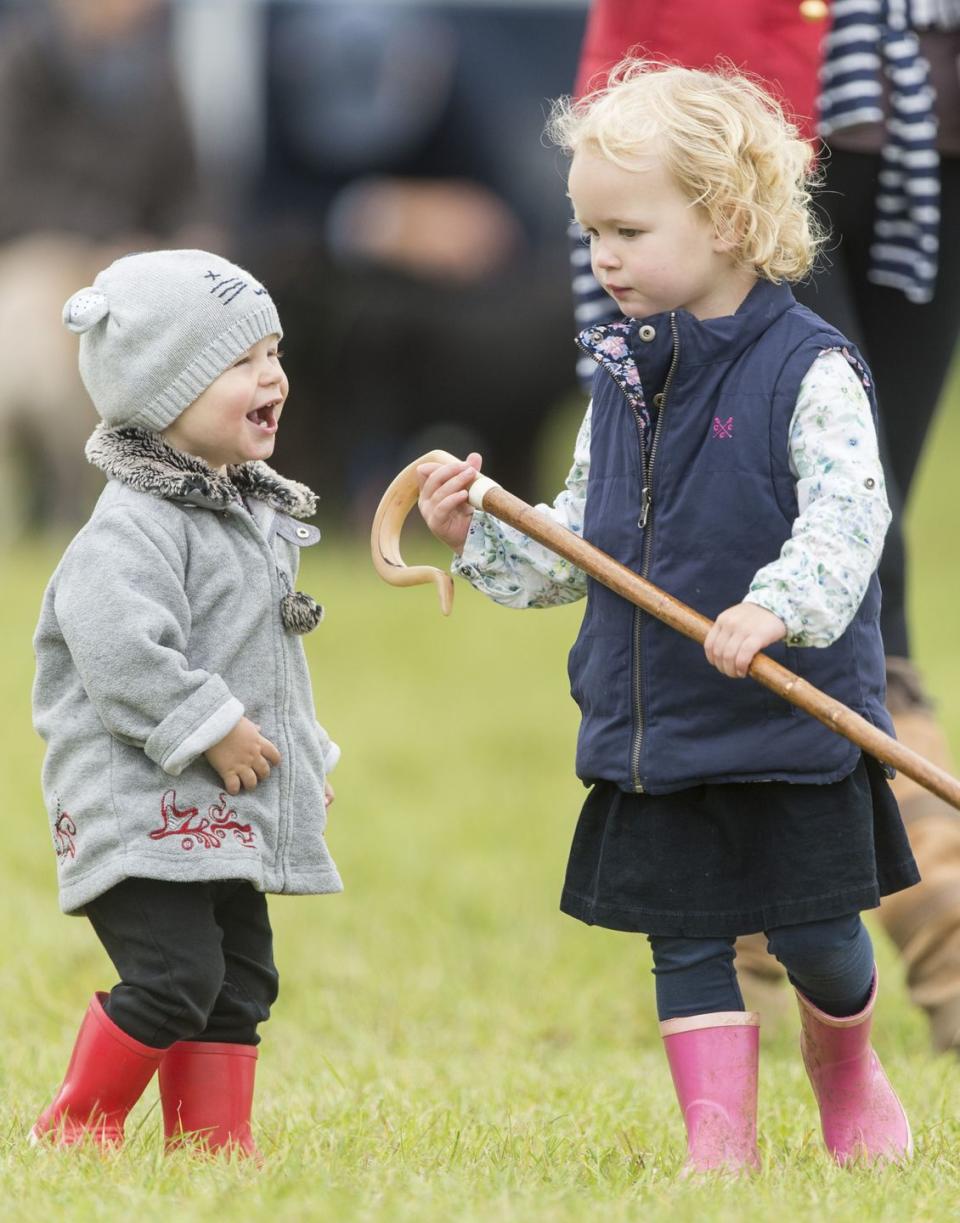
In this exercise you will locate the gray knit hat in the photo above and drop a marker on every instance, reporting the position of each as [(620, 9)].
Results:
[(157, 328)]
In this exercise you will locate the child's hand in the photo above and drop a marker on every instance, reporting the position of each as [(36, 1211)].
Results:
[(443, 498), (243, 757), (328, 794), (737, 634)]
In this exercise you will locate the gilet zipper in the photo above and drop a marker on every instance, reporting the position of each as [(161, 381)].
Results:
[(645, 523)]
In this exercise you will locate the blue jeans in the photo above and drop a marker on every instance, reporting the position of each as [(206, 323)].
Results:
[(831, 962)]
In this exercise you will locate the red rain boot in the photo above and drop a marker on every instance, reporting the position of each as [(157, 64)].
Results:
[(206, 1090), (107, 1074), (713, 1059), (862, 1117)]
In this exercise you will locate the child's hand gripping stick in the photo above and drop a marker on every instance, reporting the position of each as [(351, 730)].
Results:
[(397, 502)]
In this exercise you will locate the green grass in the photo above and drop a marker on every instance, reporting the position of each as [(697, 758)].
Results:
[(447, 1046)]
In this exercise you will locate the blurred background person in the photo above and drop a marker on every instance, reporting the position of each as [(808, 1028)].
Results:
[(381, 162), (96, 159), (879, 80), (413, 221)]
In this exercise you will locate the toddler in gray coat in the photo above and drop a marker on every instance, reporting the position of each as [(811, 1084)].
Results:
[(185, 773)]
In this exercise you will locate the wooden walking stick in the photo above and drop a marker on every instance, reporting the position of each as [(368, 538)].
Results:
[(487, 495)]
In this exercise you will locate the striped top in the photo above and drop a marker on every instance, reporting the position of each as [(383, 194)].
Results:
[(869, 39), (935, 14), (591, 303)]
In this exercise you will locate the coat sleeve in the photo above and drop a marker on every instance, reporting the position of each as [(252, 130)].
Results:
[(122, 609), (331, 750)]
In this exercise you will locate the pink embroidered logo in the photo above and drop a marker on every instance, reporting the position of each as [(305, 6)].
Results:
[(210, 833), (64, 830), (723, 428)]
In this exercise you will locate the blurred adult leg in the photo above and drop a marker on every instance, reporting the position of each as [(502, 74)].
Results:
[(909, 348)]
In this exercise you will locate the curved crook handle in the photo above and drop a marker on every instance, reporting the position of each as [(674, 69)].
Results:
[(395, 504)]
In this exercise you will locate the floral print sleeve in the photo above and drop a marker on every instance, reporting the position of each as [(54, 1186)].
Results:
[(516, 571), (822, 573)]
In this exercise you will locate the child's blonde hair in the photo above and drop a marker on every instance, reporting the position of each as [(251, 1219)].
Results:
[(726, 142)]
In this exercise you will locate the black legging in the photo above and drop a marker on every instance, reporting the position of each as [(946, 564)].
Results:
[(908, 347), (195, 960)]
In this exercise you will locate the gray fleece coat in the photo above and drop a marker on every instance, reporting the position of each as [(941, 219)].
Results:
[(172, 614)]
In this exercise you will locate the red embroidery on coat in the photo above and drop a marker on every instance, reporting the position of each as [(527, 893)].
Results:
[(64, 830), (209, 832)]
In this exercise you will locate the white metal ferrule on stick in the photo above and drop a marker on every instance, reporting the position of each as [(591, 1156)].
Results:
[(479, 489)]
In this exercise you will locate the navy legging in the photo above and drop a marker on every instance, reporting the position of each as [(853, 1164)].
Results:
[(831, 962)]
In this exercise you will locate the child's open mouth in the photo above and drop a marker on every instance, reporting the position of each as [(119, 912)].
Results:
[(265, 418)]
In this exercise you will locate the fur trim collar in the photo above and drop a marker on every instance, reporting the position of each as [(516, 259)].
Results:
[(144, 461)]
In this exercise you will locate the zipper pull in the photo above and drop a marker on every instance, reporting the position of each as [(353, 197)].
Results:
[(646, 501)]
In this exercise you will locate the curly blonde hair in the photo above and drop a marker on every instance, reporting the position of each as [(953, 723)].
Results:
[(726, 142)]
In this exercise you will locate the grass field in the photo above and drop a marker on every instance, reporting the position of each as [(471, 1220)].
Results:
[(447, 1046)]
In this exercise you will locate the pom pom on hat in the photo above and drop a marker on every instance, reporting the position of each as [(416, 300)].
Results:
[(85, 309)]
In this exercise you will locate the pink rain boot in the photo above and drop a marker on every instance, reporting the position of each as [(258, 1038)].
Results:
[(713, 1059), (107, 1074), (859, 1110)]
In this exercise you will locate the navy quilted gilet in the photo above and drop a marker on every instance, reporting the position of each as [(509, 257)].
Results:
[(698, 506)]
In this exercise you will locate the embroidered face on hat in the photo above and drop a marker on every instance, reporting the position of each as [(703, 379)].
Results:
[(157, 328)]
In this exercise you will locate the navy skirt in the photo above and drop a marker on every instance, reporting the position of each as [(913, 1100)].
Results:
[(721, 860)]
